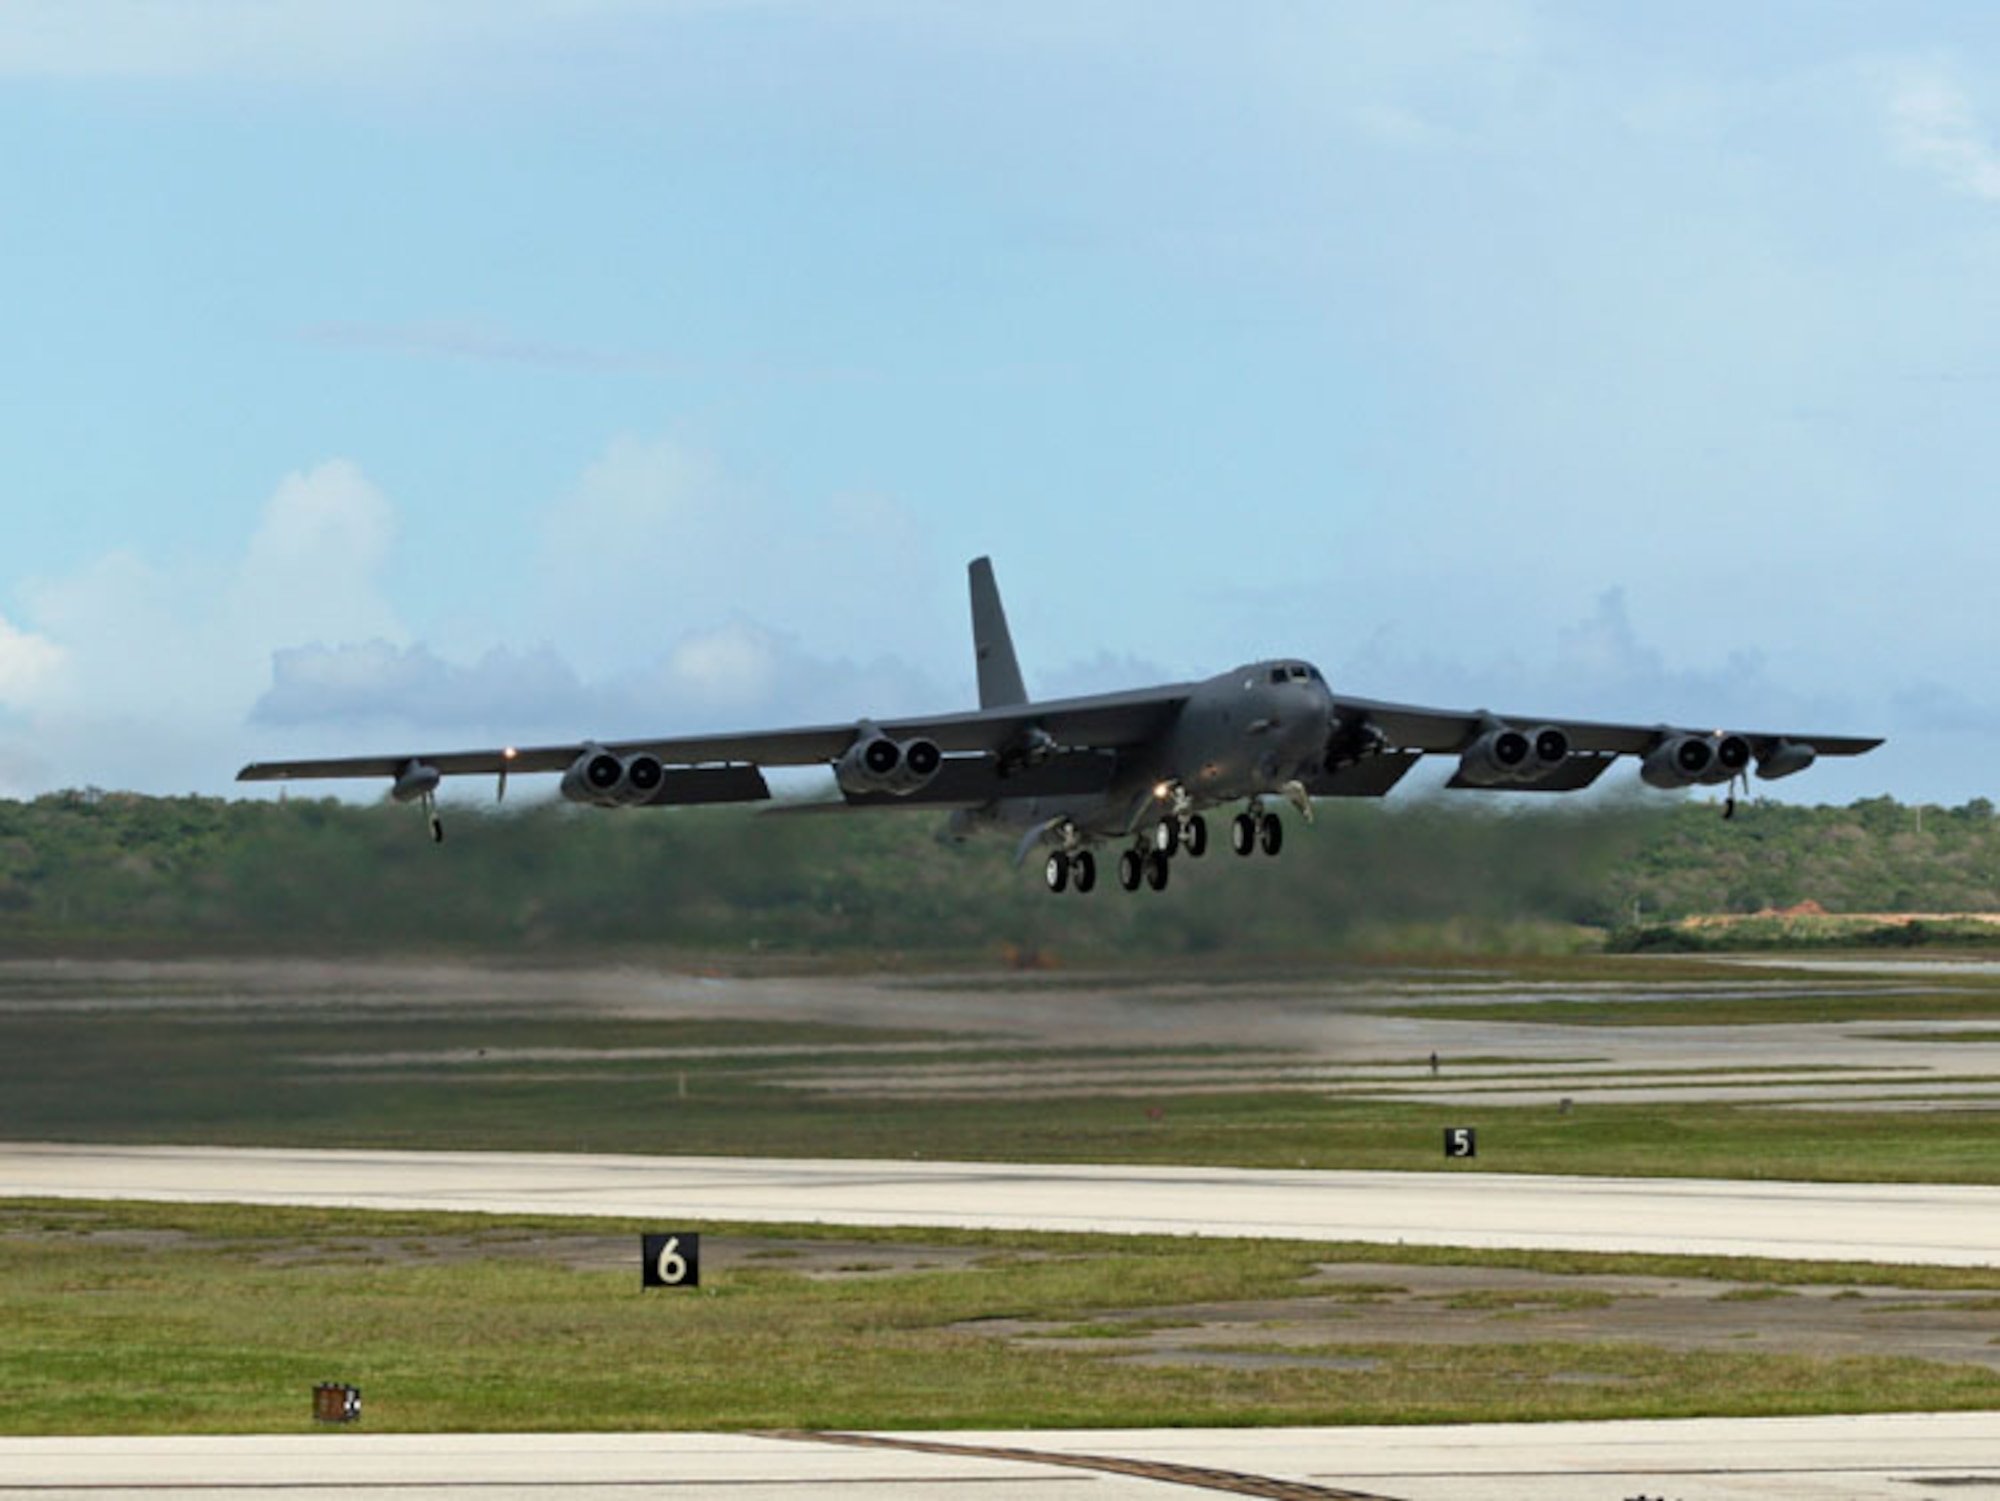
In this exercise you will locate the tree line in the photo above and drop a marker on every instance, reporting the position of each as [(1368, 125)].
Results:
[(89, 870)]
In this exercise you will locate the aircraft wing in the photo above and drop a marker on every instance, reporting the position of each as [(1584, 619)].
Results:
[(1413, 727), (1104, 722)]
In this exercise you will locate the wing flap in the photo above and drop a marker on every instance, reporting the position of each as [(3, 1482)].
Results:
[(970, 781), (1573, 775), (1372, 777)]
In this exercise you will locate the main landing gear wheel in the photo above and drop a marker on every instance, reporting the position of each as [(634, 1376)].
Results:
[(1057, 871), (1083, 870), (1272, 833), (1157, 867), (1131, 869), (1243, 834), (1194, 836), (1166, 837)]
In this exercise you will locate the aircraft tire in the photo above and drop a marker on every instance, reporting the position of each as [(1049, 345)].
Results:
[(1166, 837), (1131, 869), (1272, 833), (1194, 836), (1083, 871), (1056, 872), (1243, 834), (1157, 869)]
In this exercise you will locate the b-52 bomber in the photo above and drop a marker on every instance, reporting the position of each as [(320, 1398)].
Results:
[(1138, 769)]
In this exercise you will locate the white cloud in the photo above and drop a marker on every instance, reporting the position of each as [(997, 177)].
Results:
[(133, 672), (28, 663), (737, 675), (312, 569), (1935, 124)]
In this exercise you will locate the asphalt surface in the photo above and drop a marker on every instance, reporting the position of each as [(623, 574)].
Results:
[(1930, 1224)]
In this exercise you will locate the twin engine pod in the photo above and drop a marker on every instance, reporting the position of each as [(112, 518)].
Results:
[(1505, 754), (607, 781), (1687, 760), (875, 763)]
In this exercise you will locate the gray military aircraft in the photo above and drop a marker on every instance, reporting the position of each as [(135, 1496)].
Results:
[(1136, 769)]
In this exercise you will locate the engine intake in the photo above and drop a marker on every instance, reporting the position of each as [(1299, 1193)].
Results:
[(1679, 760), (603, 780), (1506, 754), (875, 763)]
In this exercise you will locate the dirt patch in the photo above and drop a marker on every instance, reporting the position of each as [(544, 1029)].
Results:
[(1363, 1304)]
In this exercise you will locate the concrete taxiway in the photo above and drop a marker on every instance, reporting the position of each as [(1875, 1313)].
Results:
[(1930, 1224), (1862, 1458)]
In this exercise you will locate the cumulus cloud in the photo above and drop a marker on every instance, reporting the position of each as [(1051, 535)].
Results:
[(1935, 124), (737, 675), (132, 672), (28, 662)]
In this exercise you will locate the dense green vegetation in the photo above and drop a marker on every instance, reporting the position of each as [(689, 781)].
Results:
[(201, 873)]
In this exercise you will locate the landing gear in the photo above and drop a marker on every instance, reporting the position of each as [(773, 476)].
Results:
[(1178, 832), (1141, 866), (1071, 872), (1254, 829)]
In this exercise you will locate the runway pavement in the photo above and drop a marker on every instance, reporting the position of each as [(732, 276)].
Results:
[(1941, 1225), (1866, 1458)]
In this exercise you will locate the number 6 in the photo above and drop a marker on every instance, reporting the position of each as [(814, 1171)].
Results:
[(671, 1265)]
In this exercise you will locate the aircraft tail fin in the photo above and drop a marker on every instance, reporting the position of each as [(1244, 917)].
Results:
[(999, 673)]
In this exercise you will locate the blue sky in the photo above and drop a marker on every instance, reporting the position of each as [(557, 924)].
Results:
[(430, 373)]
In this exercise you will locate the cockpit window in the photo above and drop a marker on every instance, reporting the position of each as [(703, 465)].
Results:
[(1299, 674), (1277, 674)]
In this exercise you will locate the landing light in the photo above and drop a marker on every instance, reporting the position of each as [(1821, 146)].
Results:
[(1163, 791)]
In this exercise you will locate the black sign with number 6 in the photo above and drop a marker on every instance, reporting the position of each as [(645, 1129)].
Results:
[(1461, 1141), (670, 1260)]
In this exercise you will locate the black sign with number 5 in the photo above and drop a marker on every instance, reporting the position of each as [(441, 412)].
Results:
[(1461, 1141), (670, 1260)]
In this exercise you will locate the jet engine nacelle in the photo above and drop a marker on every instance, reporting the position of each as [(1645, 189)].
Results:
[(1678, 761), (1506, 754), (875, 763), (1684, 760), (607, 781)]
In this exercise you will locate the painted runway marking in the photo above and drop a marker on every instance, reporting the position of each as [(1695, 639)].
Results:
[(1232, 1481)]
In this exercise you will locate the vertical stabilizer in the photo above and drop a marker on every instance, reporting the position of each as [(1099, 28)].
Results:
[(999, 674)]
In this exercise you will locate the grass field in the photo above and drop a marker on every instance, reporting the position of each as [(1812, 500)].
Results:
[(173, 1059), (134, 1319)]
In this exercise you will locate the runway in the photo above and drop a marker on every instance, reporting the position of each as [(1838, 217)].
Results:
[(1929, 1224), (1863, 1458)]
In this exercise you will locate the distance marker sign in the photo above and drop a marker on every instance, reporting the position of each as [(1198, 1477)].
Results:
[(671, 1259)]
